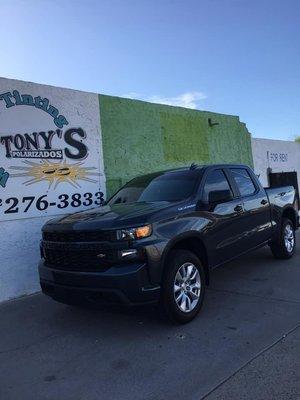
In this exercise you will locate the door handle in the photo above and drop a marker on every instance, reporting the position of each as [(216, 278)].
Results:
[(264, 202), (239, 208)]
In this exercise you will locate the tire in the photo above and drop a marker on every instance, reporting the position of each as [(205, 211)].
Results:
[(189, 292), (284, 247)]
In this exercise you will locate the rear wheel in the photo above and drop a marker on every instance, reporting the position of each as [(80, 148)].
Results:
[(183, 286), (284, 246)]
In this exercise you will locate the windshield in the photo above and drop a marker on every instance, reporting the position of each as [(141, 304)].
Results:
[(167, 186)]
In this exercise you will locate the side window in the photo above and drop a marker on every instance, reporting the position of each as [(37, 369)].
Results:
[(216, 181), (243, 181)]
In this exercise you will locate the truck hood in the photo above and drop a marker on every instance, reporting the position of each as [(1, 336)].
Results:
[(109, 217)]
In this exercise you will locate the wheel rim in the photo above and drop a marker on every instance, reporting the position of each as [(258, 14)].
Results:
[(187, 287), (289, 238)]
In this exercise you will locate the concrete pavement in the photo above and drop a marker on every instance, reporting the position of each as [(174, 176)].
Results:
[(245, 344)]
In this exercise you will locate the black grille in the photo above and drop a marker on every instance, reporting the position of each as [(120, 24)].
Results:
[(68, 260), (80, 236)]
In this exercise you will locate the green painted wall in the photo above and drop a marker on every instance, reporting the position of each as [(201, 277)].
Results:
[(140, 137)]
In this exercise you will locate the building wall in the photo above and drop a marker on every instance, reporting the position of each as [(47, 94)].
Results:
[(279, 155), (139, 137)]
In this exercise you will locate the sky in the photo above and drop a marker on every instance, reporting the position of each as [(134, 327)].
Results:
[(234, 57)]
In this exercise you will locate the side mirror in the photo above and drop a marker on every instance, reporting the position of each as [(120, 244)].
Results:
[(219, 196)]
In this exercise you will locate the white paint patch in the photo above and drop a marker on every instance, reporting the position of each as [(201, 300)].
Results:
[(43, 174), (19, 257), (277, 155)]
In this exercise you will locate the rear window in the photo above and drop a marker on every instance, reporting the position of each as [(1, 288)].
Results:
[(244, 181)]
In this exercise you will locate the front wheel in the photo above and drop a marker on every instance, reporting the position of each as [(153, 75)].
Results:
[(284, 246), (183, 286)]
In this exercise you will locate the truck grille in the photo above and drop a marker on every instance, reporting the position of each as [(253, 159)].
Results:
[(80, 236), (79, 250), (78, 260)]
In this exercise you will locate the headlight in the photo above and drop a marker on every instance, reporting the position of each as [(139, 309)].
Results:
[(135, 233)]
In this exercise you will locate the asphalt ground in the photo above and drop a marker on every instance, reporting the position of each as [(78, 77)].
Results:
[(245, 344)]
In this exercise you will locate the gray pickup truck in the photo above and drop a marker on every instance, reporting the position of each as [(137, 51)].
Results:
[(158, 237)]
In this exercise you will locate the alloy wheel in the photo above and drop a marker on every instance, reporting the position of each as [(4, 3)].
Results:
[(187, 287), (289, 239)]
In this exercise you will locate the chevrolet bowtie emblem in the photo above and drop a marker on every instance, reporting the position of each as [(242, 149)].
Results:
[(101, 255)]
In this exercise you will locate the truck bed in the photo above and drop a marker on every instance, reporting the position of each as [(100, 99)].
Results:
[(281, 198)]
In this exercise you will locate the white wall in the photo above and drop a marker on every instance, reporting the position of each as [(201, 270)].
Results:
[(279, 155), (31, 175), (19, 257)]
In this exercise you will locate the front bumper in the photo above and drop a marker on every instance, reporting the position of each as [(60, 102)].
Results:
[(127, 284)]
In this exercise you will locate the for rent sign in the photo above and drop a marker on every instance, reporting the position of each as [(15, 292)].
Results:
[(277, 157), (50, 150)]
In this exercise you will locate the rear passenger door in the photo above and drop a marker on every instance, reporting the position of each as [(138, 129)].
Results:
[(224, 235), (256, 218)]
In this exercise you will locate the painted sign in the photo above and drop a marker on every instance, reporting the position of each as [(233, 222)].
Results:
[(50, 150), (274, 157)]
